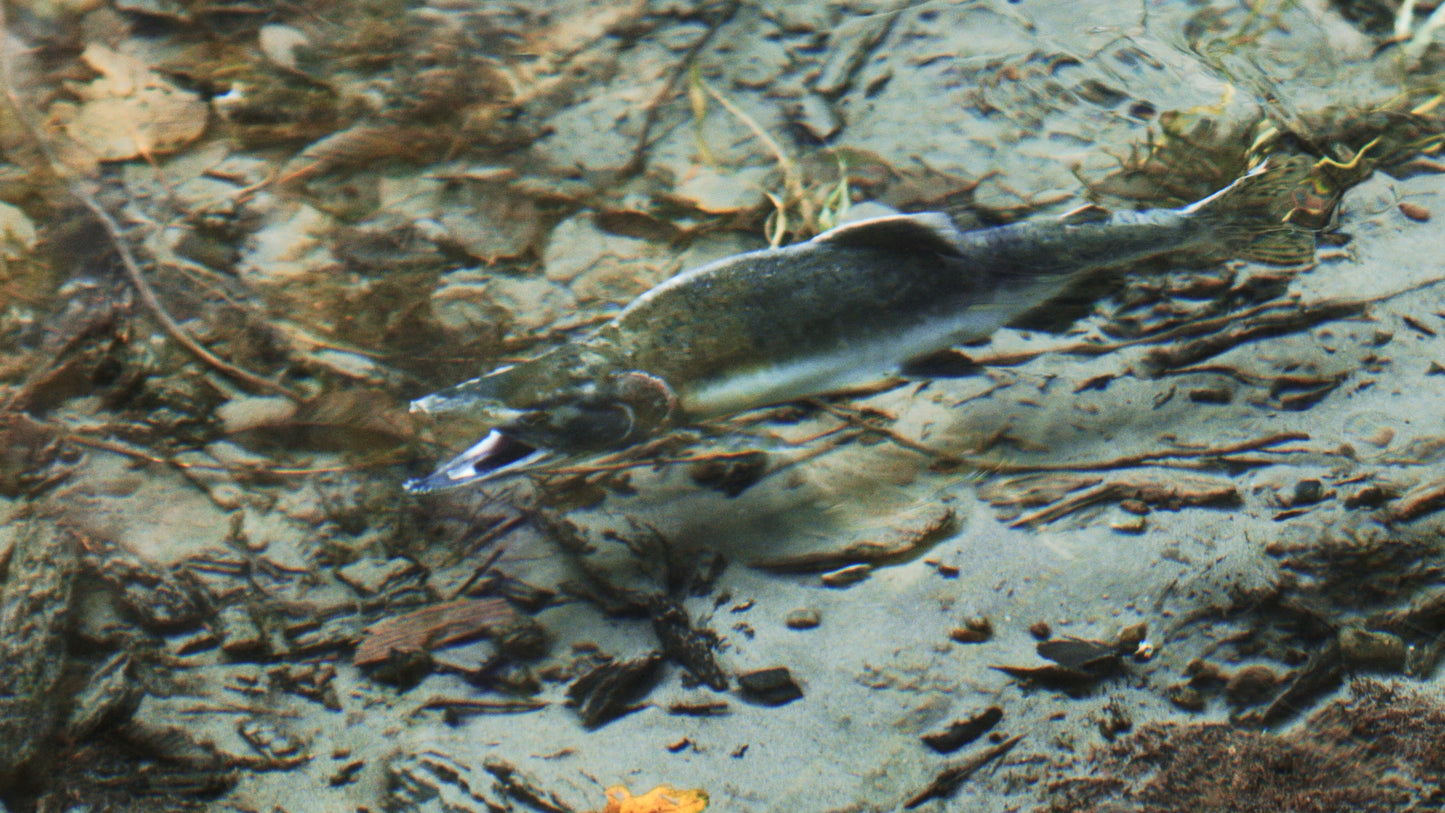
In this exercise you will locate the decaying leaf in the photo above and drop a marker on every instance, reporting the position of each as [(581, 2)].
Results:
[(661, 799), (127, 111)]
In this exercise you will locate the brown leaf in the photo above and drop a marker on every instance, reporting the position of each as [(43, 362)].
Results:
[(127, 112)]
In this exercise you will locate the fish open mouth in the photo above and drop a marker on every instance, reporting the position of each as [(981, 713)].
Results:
[(492, 456)]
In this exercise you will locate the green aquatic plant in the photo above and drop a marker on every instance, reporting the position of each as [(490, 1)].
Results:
[(803, 206)]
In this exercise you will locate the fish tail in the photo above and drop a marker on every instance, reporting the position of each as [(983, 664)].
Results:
[(1247, 219)]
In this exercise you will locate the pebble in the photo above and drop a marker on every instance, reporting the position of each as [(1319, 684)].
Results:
[(847, 576), (964, 635), (770, 687), (975, 630), (1250, 685), (1371, 649), (238, 631), (1308, 492), (1186, 697), (803, 619), (370, 576), (252, 412), (962, 732), (1414, 211)]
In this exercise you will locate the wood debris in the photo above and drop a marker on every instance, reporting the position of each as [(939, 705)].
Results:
[(34, 622), (1062, 495), (613, 689), (948, 780), (434, 626)]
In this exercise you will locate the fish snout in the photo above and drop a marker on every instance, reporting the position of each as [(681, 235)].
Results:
[(487, 394), (623, 409)]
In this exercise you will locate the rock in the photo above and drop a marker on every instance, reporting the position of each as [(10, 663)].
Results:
[(769, 687), (280, 43), (372, 576), (1186, 697), (269, 740), (962, 732), (803, 619), (576, 245), (1370, 649), (34, 622), (1250, 685), (252, 412), (472, 301), (718, 193), (109, 698), (431, 780), (17, 233), (848, 46), (490, 221), (238, 632), (758, 64), (160, 117), (847, 576), (613, 689), (817, 118)]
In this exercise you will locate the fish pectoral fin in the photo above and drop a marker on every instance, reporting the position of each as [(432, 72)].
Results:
[(929, 232), (1285, 245)]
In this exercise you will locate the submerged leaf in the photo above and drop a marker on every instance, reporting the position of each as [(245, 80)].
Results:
[(128, 111), (661, 799)]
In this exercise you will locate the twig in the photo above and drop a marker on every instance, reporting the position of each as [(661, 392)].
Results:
[(1269, 324), (112, 229), (855, 419), (1141, 459), (634, 165), (467, 705), (274, 471), (1166, 493), (948, 779), (158, 311)]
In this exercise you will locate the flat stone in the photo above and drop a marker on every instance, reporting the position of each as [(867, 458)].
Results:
[(371, 576), (803, 619), (238, 631), (770, 687)]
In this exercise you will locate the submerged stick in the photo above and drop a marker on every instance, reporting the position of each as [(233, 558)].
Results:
[(112, 229), (947, 781)]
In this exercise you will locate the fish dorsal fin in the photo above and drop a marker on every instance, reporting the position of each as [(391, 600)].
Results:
[(931, 232), (1088, 213)]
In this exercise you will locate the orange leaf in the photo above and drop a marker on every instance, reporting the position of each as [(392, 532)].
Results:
[(661, 799)]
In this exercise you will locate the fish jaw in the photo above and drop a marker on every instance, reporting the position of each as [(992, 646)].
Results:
[(494, 456), (617, 411)]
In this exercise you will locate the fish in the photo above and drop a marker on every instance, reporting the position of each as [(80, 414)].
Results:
[(851, 306)]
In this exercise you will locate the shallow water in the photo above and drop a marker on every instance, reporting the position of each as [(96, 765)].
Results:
[(238, 239)]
